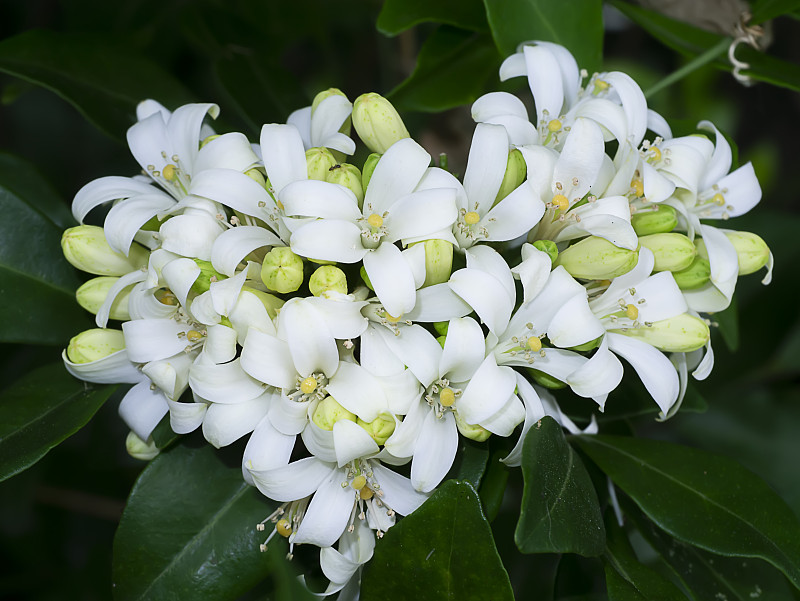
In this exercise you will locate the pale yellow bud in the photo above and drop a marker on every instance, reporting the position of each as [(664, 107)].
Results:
[(282, 270), (95, 344), (86, 247), (319, 162), (672, 251), (369, 168), (438, 261), (377, 122), (547, 246), (325, 94), (546, 380), (694, 276), (516, 172), (596, 258), (271, 302), (327, 278), (140, 449), (92, 294), (328, 412), (471, 431), (680, 334), (257, 177), (655, 219), (349, 176), (379, 429), (752, 251), (207, 275)]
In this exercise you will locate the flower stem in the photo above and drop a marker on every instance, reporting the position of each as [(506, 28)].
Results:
[(700, 60)]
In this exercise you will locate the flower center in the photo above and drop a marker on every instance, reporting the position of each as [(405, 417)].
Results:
[(359, 482), (375, 220), (308, 385), (534, 343), (441, 396), (631, 311), (472, 218), (309, 388), (447, 397), (560, 202), (554, 126)]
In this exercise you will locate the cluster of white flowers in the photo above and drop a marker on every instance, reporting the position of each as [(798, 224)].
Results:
[(276, 291)]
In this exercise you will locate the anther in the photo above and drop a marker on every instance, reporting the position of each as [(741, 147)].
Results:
[(193, 336), (632, 311), (283, 527), (366, 493)]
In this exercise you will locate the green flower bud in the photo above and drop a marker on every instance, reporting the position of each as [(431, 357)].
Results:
[(656, 219), (672, 251), (680, 334), (92, 294), (363, 273), (257, 177), (86, 247), (546, 380), (438, 261), (327, 278), (207, 275), (271, 303), (441, 327), (209, 139), (349, 176), (596, 258), (95, 344), (323, 95), (377, 122), (282, 270), (328, 412), (379, 429), (694, 276), (752, 251), (319, 162), (547, 246), (139, 449), (471, 431), (587, 346), (369, 167), (516, 172)]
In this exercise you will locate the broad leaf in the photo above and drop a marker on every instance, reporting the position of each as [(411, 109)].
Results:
[(493, 486), (560, 512), (452, 69), (728, 321), (99, 75), (577, 24), (38, 290), (706, 500), (443, 551), (39, 411), (764, 10), (399, 15), (470, 464), (189, 531)]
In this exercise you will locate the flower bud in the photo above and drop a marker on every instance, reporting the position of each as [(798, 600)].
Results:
[(379, 429), (327, 278), (95, 344), (441, 327), (680, 334), (257, 177), (694, 276), (587, 346), (319, 162), (438, 261), (368, 169), (363, 273), (86, 247), (516, 172), (139, 449), (546, 380), (549, 247), (324, 95), (473, 432), (377, 122), (752, 251), (328, 412), (282, 270), (207, 275), (656, 219), (672, 251), (92, 294), (271, 302), (208, 140), (349, 176), (596, 258)]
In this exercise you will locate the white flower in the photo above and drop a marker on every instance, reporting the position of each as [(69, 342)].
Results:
[(320, 126)]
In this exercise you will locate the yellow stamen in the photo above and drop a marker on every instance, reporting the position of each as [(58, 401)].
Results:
[(169, 172), (718, 199), (447, 397), (631, 311), (375, 220), (554, 125), (193, 336), (165, 297), (638, 187), (308, 385), (359, 482), (472, 218), (560, 202), (366, 493), (392, 318), (280, 205), (600, 85), (535, 344), (283, 527), (656, 153)]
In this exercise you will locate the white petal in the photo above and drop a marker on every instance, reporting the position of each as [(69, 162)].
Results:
[(294, 481), (581, 158), (487, 391), (656, 372), (104, 189), (267, 359), (533, 271), (328, 117), (463, 350), (401, 390), (186, 417), (633, 103), (233, 189), (497, 104), (343, 317), (608, 114), (170, 375), (312, 198), (358, 391), (180, 275), (656, 123), (508, 417), (574, 323), (540, 163), (232, 246), (190, 235), (225, 424), (421, 214), (142, 408), (438, 303), (375, 354), (301, 119), (115, 368), (396, 174), (153, 339), (417, 349), (284, 155), (486, 166), (220, 344), (742, 191), (601, 374), (227, 151), (226, 383), (319, 442), (266, 448), (225, 293), (123, 282), (512, 66), (288, 416), (127, 217), (391, 278), (250, 312), (403, 441), (545, 82), (327, 514), (311, 344), (721, 160), (351, 442), (484, 293), (329, 240), (399, 492), (184, 131), (435, 451), (534, 411), (514, 215)]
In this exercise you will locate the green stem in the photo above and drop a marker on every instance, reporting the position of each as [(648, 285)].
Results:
[(700, 60)]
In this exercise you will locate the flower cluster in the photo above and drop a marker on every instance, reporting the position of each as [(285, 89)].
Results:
[(351, 320)]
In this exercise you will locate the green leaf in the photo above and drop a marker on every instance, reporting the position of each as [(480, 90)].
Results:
[(452, 69), (443, 551), (101, 76), (728, 321), (764, 10), (41, 410), (399, 15), (38, 285), (706, 500), (577, 24), (471, 461), (189, 531), (560, 512), (493, 486)]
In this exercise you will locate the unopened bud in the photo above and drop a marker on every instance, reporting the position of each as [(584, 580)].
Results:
[(752, 251), (207, 275), (516, 172), (471, 431), (95, 344), (549, 247), (672, 251), (363, 273), (209, 139), (328, 412), (438, 261), (377, 122), (319, 162), (656, 219), (323, 95), (369, 168), (441, 327), (86, 247), (349, 176), (92, 294), (271, 302), (379, 429), (680, 334), (546, 380), (282, 270), (139, 449), (596, 258), (257, 176), (327, 278), (587, 346), (694, 276)]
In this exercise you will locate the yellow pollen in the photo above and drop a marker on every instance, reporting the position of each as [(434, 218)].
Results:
[(718, 199), (169, 172), (193, 336), (375, 220), (447, 397), (600, 85), (366, 493), (359, 482), (638, 187), (472, 218), (656, 153), (631, 311), (560, 202), (554, 125), (535, 344), (279, 204), (283, 527), (308, 385)]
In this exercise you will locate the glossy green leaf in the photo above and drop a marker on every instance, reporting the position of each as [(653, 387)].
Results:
[(189, 531), (443, 551), (706, 500), (493, 486), (39, 411), (471, 461), (100, 76), (560, 512), (38, 285), (577, 24), (764, 10), (452, 69), (399, 15), (728, 321)]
